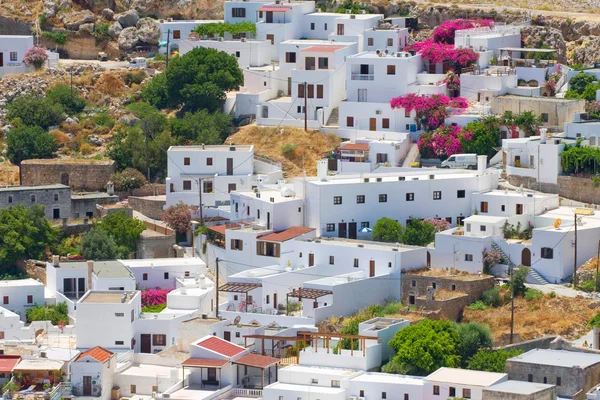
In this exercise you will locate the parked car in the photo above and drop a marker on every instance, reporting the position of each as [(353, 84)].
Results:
[(102, 56), (468, 161), (137, 62)]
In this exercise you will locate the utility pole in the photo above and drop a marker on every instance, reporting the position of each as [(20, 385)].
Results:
[(147, 157), (597, 262), (217, 289), (575, 255), (200, 195), (168, 38), (305, 107), (512, 304)]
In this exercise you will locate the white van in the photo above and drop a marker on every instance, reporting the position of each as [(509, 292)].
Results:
[(468, 161), (138, 62)]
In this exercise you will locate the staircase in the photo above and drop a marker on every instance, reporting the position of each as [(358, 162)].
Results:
[(535, 278), (334, 117), (411, 156), (505, 257)]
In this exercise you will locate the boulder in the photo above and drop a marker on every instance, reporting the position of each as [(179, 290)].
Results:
[(96, 140), (96, 5), (534, 36), (6, 129), (108, 14), (115, 30), (74, 20), (50, 8), (588, 52), (148, 31), (594, 304), (128, 38), (129, 120), (128, 18), (87, 28)]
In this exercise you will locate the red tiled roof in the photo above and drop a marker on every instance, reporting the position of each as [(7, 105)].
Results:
[(7, 363), (323, 49), (204, 362), (355, 146), (287, 234), (221, 228), (98, 353), (274, 9), (256, 360), (221, 346)]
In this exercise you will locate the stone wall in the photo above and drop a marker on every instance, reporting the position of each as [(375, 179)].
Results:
[(545, 394), (13, 27), (450, 309), (149, 189), (531, 183), (558, 111), (85, 175), (154, 245), (103, 211), (151, 206), (570, 187), (416, 285), (86, 206), (57, 197)]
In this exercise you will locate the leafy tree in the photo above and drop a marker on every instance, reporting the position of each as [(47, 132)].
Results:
[(387, 230), (197, 80), (142, 109), (71, 101), (589, 93), (128, 179), (12, 272), (97, 244), (419, 233), (124, 230), (202, 127), (528, 122), (24, 233), (426, 346), (27, 142), (473, 337), (35, 111), (518, 279), (178, 217), (579, 82), (354, 8), (492, 360), (480, 138), (53, 313)]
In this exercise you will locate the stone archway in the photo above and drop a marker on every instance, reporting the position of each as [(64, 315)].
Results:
[(526, 257), (64, 179)]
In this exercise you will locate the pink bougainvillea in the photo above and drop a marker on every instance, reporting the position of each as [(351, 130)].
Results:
[(441, 143), (431, 110), (436, 53), (438, 224), (36, 57), (154, 297), (444, 33)]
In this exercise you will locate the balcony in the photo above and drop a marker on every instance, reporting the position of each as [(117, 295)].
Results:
[(362, 77)]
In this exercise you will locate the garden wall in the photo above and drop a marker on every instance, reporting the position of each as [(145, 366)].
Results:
[(579, 189)]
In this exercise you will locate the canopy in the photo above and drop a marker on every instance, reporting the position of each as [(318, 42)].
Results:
[(39, 365)]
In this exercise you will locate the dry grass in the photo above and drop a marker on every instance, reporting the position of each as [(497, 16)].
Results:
[(452, 273), (268, 142), (562, 316), (9, 174)]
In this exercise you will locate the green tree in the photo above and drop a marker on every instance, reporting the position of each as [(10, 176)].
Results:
[(128, 179), (518, 279), (426, 346), (492, 360), (124, 230), (387, 230), (26, 142), (202, 127), (418, 233), (579, 82), (70, 100), (35, 111), (155, 92), (473, 337), (480, 137), (24, 233), (97, 244), (589, 93), (528, 122), (54, 313)]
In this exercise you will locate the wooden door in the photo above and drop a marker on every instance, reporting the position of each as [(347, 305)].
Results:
[(372, 268), (340, 29), (269, 17), (372, 124), (342, 227), (1, 59), (311, 259), (146, 345), (275, 300), (212, 375), (87, 385), (526, 257), (227, 336), (230, 166), (268, 220), (352, 230), (289, 87)]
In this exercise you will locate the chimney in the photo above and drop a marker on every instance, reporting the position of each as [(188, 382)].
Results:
[(543, 134), (90, 271), (56, 261), (322, 169), (481, 164)]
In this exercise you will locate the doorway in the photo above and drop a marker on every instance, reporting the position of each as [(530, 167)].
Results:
[(428, 259), (227, 336), (146, 345), (311, 259), (352, 230), (269, 17), (275, 305), (289, 87), (526, 257), (371, 268), (211, 375), (268, 220), (362, 95), (56, 213), (340, 29), (372, 124), (64, 179), (1, 59), (342, 229), (230, 166), (87, 385)]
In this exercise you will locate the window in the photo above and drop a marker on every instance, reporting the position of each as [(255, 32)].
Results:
[(159, 340), (406, 396), (312, 26), (271, 38), (544, 117), (360, 199), (337, 200), (132, 388), (55, 196), (503, 208), (237, 13), (519, 209), (235, 297), (10, 199), (413, 283), (155, 388), (300, 90), (383, 198), (356, 263), (268, 249), (33, 198), (145, 277), (449, 219), (406, 113), (558, 381), (314, 381), (290, 57), (460, 220), (176, 34), (325, 27), (545, 380), (237, 54), (331, 260), (437, 195), (257, 214), (267, 299), (391, 70), (187, 185), (469, 257), (468, 227), (529, 377), (120, 343), (364, 224), (300, 109), (547, 252), (460, 194), (5, 300), (434, 285), (330, 228), (383, 395), (466, 393), (362, 393), (483, 207), (319, 91), (29, 299), (335, 384), (370, 41), (390, 42), (237, 335), (166, 275), (207, 186), (452, 391), (132, 316), (13, 56), (482, 228), (323, 63), (410, 197), (209, 161), (311, 91), (436, 390), (237, 244), (349, 124), (309, 63), (119, 314)]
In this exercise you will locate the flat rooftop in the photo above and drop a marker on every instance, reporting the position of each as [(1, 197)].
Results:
[(486, 219), (417, 174), (372, 54), (519, 387), (107, 297), (90, 196), (465, 377), (58, 161), (544, 99), (441, 273), (270, 196), (215, 147), (164, 262), (558, 358), (21, 282), (145, 370), (111, 269), (343, 372), (376, 377), (347, 16), (22, 188), (368, 244), (308, 389), (514, 193)]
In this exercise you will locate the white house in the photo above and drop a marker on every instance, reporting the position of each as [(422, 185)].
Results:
[(92, 373), (12, 53), (111, 275), (178, 31), (249, 52), (364, 155), (162, 273), (20, 294), (271, 208), (452, 382)]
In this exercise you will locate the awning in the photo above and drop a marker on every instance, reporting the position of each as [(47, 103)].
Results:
[(39, 365), (204, 363), (162, 44), (274, 9), (239, 287), (7, 363), (256, 361), (309, 293)]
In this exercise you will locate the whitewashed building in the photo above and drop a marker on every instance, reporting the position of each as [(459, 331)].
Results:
[(21, 294), (176, 32), (453, 382), (92, 373), (12, 53), (162, 273)]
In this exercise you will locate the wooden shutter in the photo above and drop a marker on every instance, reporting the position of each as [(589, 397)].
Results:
[(258, 248), (233, 12), (311, 91), (232, 243), (319, 91), (300, 90), (241, 245), (243, 13), (277, 249)]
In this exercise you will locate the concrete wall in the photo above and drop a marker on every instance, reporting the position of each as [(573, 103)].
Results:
[(545, 394), (559, 110), (580, 189), (417, 285), (79, 175), (149, 206)]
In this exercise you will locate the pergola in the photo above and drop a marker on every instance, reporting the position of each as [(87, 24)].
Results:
[(263, 363), (207, 363), (240, 288), (301, 293), (510, 50)]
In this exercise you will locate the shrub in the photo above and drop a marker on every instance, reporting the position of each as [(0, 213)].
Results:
[(53, 313), (588, 286), (110, 83), (519, 277), (104, 119), (97, 244), (35, 57), (28, 142), (492, 360), (533, 294), (86, 149), (288, 148), (220, 28), (101, 32), (57, 37), (552, 294), (70, 100), (154, 309), (154, 297), (178, 217), (491, 297), (136, 77), (128, 179), (478, 306), (35, 111)]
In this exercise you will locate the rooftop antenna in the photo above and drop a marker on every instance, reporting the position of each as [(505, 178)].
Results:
[(230, 141)]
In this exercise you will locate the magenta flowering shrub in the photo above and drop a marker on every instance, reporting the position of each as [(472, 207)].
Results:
[(489, 259), (444, 33), (441, 143), (431, 110), (36, 57), (439, 225), (154, 297), (439, 52)]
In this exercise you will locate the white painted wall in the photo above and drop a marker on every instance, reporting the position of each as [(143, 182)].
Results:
[(15, 295)]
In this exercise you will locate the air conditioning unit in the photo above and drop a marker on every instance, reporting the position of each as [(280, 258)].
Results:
[(379, 179), (401, 178), (431, 176), (348, 11), (353, 16)]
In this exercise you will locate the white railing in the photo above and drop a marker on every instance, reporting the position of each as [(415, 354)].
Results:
[(363, 77), (247, 392)]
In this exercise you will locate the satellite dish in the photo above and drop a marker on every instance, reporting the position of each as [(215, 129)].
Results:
[(557, 223), (237, 320)]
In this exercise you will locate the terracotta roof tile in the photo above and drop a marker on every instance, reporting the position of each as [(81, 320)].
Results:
[(256, 360), (221, 346), (323, 49), (98, 353), (355, 146), (204, 362), (8, 362), (287, 234)]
